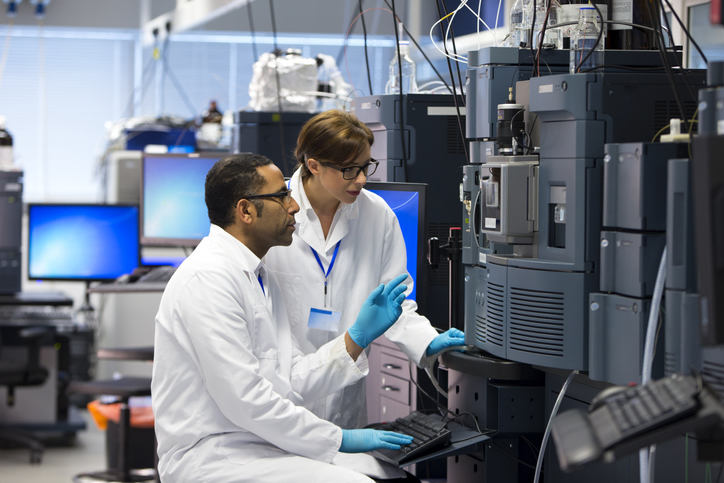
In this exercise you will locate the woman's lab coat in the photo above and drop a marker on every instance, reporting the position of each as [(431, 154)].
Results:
[(228, 381), (371, 251)]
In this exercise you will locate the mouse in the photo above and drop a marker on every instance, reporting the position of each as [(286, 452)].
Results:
[(125, 278), (601, 397)]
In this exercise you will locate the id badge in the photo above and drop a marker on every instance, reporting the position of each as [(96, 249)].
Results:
[(324, 319)]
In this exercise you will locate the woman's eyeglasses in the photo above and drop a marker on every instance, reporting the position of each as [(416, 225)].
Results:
[(351, 172)]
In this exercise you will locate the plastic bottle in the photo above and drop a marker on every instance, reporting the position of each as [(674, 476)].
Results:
[(6, 147), (553, 37), (409, 83), (519, 29), (584, 38)]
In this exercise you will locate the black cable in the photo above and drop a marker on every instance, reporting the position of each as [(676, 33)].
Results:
[(367, 59), (452, 78), (439, 76), (502, 450), (175, 82), (253, 31), (653, 14), (686, 31), (530, 40), (457, 64), (277, 53), (401, 95)]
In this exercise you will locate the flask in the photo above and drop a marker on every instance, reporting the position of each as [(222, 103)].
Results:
[(409, 84), (518, 28), (584, 40), (553, 37), (6, 147)]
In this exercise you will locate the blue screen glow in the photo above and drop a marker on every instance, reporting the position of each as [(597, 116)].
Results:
[(406, 205), (173, 198), (82, 242)]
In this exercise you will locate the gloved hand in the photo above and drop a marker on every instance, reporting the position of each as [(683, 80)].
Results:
[(381, 309), (450, 338), (363, 440)]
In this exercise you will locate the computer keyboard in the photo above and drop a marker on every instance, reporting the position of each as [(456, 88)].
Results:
[(623, 419), (40, 315), (428, 433), (158, 274), (639, 409)]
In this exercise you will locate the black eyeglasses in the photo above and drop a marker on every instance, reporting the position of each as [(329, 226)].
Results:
[(352, 172), (284, 196)]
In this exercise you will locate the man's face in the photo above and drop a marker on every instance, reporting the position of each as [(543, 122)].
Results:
[(276, 225)]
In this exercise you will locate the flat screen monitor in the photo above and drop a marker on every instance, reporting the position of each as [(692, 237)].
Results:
[(173, 209), (408, 200), (85, 242)]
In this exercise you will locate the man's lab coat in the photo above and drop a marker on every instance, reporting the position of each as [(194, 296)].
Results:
[(228, 382)]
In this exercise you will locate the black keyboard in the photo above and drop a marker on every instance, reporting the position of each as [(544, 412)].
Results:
[(639, 409), (428, 433), (623, 419)]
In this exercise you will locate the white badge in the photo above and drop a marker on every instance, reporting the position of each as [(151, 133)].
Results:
[(324, 319)]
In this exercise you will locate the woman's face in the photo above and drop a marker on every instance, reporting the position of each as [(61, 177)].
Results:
[(344, 190)]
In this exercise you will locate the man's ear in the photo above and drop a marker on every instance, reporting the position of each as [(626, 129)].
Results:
[(245, 211), (313, 166)]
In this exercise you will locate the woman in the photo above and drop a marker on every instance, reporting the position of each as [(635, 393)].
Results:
[(347, 242)]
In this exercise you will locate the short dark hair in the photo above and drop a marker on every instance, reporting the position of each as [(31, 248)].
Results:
[(229, 180)]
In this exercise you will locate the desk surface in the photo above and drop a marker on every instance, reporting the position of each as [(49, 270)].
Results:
[(36, 298)]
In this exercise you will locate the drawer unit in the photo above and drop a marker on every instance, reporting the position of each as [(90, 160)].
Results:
[(395, 388)]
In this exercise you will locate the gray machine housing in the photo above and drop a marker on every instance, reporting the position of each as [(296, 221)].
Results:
[(11, 220)]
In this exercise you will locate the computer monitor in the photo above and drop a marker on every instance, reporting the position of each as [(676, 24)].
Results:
[(84, 242), (408, 201), (173, 209)]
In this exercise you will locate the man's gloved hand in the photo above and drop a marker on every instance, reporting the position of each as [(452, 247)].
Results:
[(381, 309), (450, 338), (363, 440)]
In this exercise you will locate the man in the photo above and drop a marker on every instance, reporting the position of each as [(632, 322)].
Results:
[(228, 380)]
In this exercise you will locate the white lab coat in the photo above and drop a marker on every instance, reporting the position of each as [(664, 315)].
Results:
[(372, 251), (229, 383)]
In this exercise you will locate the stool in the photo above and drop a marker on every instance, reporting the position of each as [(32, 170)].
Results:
[(124, 389)]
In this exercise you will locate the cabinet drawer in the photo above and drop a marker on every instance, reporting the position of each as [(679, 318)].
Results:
[(391, 410), (394, 365), (395, 388)]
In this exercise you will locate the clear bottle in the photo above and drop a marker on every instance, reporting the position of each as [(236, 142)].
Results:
[(409, 83), (585, 41), (519, 29), (553, 37)]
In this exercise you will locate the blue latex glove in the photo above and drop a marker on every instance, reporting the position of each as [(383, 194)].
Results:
[(381, 309), (363, 440), (450, 338)]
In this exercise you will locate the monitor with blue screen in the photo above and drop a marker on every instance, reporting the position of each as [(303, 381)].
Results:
[(84, 242), (173, 209), (407, 200)]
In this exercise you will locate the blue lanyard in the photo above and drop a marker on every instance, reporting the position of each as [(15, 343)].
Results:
[(331, 264), (262, 285)]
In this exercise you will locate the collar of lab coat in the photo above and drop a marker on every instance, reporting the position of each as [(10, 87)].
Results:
[(309, 228), (251, 263)]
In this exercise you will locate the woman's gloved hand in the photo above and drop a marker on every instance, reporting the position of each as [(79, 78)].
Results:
[(381, 309), (363, 440), (450, 338)]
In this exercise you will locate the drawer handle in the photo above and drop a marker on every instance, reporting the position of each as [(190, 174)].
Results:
[(390, 388), (392, 366)]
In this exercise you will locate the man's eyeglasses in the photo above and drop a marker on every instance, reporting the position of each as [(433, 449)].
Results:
[(284, 196), (352, 172)]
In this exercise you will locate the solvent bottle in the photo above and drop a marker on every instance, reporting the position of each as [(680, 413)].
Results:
[(409, 83), (585, 41)]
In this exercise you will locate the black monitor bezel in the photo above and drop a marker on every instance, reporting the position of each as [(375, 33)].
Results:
[(421, 189), (151, 241), (84, 205)]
